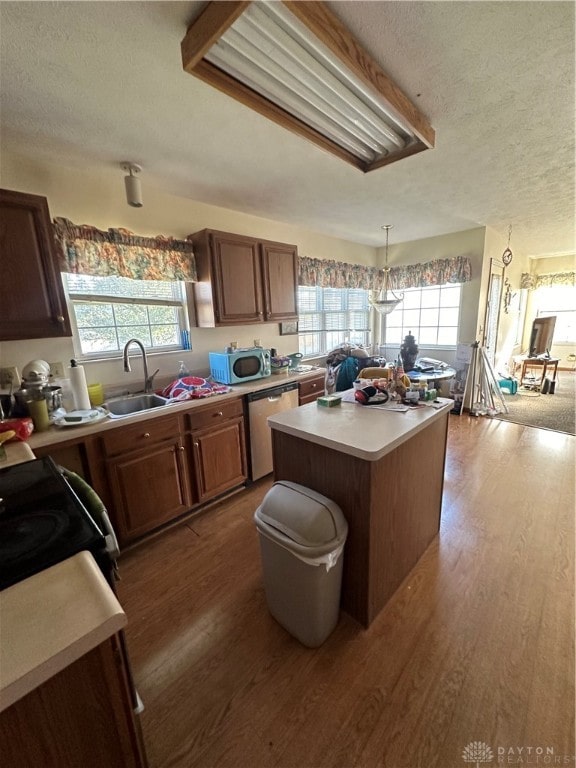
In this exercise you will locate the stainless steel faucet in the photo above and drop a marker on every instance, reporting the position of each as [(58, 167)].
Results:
[(147, 379)]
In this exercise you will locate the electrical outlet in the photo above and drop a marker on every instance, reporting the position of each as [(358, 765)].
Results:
[(57, 370), (9, 375)]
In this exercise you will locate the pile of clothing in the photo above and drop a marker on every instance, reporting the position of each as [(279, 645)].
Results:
[(343, 364)]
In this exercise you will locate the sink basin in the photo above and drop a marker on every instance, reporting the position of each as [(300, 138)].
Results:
[(126, 406)]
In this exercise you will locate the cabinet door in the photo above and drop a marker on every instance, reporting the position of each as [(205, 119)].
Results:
[(31, 293), (148, 489), (219, 458), (280, 280), (237, 280)]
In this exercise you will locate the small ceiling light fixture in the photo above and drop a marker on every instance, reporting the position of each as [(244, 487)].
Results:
[(132, 182), (297, 64), (383, 304)]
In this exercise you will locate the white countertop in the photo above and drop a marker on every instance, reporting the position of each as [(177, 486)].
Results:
[(16, 453), (358, 430), (50, 620), (56, 435)]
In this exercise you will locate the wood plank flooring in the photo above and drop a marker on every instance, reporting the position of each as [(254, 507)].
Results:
[(476, 645)]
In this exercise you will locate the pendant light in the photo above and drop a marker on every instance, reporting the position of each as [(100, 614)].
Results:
[(385, 304)]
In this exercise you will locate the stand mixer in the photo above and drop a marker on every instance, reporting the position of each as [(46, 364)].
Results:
[(36, 386)]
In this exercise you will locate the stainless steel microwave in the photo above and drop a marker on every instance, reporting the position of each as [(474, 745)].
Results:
[(240, 365)]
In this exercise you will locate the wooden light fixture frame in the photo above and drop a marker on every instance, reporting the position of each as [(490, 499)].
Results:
[(217, 17)]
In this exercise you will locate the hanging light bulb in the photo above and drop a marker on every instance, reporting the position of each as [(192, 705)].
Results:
[(384, 304), (132, 182)]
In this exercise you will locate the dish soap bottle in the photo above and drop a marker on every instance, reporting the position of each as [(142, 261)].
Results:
[(182, 370)]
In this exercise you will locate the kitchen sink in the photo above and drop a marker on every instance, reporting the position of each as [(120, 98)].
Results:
[(126, 406)]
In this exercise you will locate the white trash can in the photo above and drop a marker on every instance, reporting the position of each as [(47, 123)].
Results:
[(302, 536)]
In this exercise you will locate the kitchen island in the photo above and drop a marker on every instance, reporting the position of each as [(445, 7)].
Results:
[(385, 469)]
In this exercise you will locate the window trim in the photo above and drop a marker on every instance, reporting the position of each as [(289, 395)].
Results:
[(368, 331), (184, 309), (425, 345)]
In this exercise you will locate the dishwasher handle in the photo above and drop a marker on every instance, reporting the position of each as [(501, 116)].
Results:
[(273, 392)]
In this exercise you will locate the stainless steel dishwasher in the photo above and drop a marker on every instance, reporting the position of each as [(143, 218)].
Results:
[(262, 404)]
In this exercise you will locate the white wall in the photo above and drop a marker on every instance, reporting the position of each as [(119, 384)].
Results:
[(467, 243), (95, 196)]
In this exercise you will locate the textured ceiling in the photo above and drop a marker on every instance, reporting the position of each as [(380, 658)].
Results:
[(99, 82)]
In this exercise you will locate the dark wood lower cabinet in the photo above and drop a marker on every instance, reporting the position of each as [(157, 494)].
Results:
[(149, 473), (311, 389), (153, 472), (219, 458), (82, 716), (148, 488)]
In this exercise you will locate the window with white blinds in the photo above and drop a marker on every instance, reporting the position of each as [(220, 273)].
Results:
[(328, 317)]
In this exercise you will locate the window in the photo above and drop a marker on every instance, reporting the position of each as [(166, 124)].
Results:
[(329, 316), (431, 314), (108, 311), (558, 300)]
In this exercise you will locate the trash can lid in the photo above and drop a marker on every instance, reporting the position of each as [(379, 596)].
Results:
[(306, 517)]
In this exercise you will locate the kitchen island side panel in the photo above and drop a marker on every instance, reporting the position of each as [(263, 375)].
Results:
[(405, 508), (392, 507)]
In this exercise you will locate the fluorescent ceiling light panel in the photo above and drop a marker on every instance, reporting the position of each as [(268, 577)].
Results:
[(296, 63)]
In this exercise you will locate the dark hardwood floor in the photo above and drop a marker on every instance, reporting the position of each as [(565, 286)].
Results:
[(477, 645)]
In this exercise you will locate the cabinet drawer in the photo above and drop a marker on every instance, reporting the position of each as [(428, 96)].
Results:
[(199, 418), (140, 436), (311, 387)]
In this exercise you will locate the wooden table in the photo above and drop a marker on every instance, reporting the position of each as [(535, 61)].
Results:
[(386, 471), (543, 363)]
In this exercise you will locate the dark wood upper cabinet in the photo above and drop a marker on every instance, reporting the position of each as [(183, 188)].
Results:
[(243, 280), (280, 281), (32, 303)]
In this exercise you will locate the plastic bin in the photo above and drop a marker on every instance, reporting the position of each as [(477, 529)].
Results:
[(302, 536)]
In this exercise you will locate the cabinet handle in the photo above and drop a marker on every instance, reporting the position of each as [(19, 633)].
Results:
[(146, 434), (219, 413), (60, 318), (181, 448), (314, 386), (196, 445)]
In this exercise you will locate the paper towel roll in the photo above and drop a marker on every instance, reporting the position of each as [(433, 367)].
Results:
[(79, 387)]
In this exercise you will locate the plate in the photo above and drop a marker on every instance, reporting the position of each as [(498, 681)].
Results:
[(81, 418)]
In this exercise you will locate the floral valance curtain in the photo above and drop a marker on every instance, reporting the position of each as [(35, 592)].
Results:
[(546, 281), (85, 250), (326, 273)]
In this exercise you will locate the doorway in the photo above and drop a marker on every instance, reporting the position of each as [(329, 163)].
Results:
[(492, 316)]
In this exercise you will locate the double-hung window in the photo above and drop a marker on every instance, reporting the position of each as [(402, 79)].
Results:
[(108, 311), (558, 300), (328, 317), (431, 314)]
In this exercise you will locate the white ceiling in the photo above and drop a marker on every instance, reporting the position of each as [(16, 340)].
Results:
[(101, 82)]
